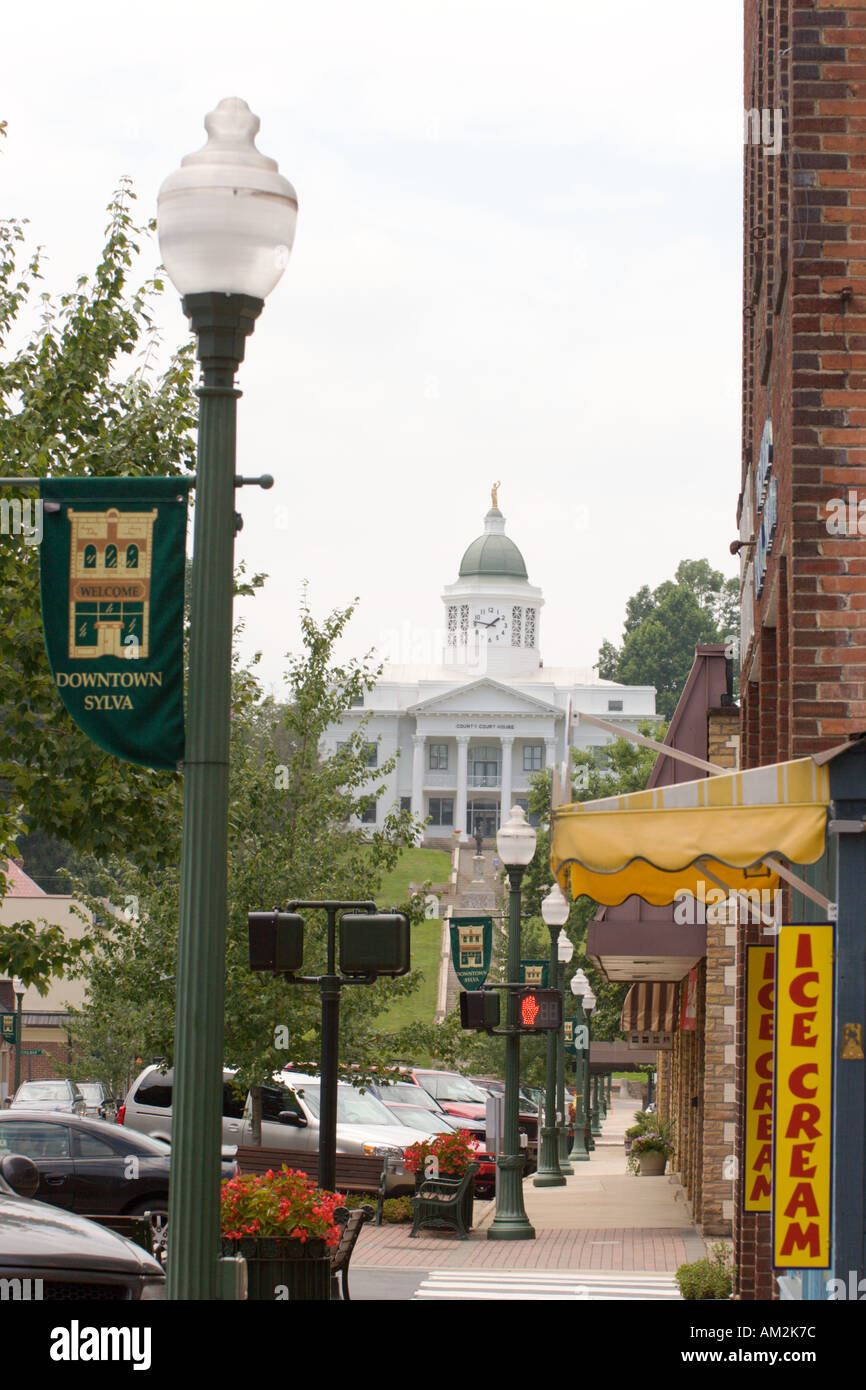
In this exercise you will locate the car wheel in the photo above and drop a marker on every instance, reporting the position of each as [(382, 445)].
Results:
[(157, 1209)]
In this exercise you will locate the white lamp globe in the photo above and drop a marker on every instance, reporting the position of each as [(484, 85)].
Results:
[(564, 948), (576, 985), (226, 218), (589, 1002), (555, 908), (515, 840)]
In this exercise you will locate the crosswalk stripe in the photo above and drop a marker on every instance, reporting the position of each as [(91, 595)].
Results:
[(551, 1285)]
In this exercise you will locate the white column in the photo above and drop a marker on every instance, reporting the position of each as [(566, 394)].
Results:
[(549, 752), (418, 775), (462, 777), (505, 795)]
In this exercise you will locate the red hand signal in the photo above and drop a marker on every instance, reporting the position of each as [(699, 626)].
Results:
[(528, 1010)]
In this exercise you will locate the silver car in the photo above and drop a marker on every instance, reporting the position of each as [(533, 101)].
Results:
[(63, 1096), (290, 1118)]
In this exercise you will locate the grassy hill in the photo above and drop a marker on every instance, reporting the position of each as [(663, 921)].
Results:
[(417, 866)]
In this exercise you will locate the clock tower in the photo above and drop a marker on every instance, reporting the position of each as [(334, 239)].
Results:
[(492, 613)]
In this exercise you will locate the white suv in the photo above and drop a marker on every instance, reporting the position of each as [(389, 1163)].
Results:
[(290, 1118)]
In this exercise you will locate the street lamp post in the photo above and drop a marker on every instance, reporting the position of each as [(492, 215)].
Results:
[(578, 1149), (554, 910), (515, 843), (226, 223), (564, 951), (20, 989), (589, 1002)]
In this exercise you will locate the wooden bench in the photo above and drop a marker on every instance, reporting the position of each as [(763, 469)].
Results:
[(445, 1204), (351, 1221), (354, 1172)]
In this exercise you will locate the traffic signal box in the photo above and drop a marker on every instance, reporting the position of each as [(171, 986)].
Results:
[(479, 1008), (276, 941), (374, 943), (538, 1010)]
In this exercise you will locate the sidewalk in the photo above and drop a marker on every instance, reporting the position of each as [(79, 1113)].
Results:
[(604, 1218)]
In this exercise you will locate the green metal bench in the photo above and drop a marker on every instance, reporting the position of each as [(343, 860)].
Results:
[(445, 1204)]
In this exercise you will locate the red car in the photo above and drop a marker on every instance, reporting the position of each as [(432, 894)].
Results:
[(460, 1097)]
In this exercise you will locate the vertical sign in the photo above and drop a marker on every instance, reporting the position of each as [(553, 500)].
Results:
[(802, 1113), (758, 1120)]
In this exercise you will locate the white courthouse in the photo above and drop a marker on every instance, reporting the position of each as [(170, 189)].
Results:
[(471, 731)]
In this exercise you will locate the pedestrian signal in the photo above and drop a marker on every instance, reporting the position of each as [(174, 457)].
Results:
[(539, 1010)]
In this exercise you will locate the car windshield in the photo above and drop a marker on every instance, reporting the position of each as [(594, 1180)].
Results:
[(419, 1117), (352, 1107), (43, 1090), (452, 1088), (90, 1090), (406, 1094)]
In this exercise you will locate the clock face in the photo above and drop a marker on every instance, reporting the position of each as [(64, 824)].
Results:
[(490, 621)]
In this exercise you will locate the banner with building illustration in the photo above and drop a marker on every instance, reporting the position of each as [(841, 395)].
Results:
[(112, 569), (534, 972), (471, 949)]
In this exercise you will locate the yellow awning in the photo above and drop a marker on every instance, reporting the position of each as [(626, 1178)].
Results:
[(661, 843)]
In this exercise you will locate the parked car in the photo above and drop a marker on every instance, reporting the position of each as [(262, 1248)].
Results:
[(94, 1168), (462, 1097), (420, 1117), (64, 1096), (290, 1117), (101, 1104), (75, 1259), (403, 1093)]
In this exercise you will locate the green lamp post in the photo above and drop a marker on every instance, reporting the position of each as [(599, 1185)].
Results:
[(578, 1149), (226, 221), (589, 1002), (19, 990), (565, 951), (515, 843), (554, 910)]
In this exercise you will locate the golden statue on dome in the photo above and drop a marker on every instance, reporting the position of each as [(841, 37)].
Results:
[(494, 495)]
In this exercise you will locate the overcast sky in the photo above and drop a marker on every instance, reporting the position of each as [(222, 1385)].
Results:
[(517, 260)]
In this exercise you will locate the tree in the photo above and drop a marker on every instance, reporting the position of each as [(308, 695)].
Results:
[(290, 837), (663, 627), (69, 407)]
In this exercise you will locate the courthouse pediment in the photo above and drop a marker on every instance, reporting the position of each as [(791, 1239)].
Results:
[(484, 697)]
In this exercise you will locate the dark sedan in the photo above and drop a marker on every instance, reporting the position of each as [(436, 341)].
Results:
[(51, 1254), (94, 1168)]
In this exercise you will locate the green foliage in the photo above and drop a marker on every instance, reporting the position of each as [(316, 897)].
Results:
[(37, 952), (708, 1278), (395, 1210), (662, 628), (79, 396), (289, 838)]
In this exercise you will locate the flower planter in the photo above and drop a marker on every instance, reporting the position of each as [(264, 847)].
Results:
[(279, 1268), (652, 1164)]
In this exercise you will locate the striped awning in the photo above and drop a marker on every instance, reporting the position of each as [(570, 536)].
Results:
[(649, 1008), (662, 843)]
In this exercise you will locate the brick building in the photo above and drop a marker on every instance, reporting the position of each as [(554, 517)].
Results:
[(802, 552)]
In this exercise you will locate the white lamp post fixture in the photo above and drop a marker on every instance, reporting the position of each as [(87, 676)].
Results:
[(515, 842), (226, 222)]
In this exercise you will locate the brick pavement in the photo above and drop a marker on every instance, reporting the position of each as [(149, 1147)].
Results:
[(602, 1219)]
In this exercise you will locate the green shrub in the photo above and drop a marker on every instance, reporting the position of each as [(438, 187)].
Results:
[(395, 1210), (707, 1278)]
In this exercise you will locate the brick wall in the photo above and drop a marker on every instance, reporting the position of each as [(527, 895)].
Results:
[(804, 370)]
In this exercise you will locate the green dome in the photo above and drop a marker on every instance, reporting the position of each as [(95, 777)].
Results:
[(493, 555)]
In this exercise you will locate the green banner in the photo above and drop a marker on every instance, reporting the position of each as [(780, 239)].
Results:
[(8, 1028), (471, 949), (112, 567), (534, 972)]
